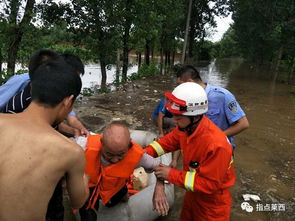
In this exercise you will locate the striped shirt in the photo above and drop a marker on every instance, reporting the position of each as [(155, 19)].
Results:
[(19, 102)]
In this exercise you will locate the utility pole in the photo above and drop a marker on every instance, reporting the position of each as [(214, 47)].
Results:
[(186, 31)]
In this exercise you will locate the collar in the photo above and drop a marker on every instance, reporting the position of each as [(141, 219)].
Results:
[(198, 130), (208, 88)]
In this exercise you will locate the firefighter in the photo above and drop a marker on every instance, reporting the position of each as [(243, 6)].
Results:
[(208, 170)]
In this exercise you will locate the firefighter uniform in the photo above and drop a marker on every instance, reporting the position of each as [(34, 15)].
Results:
[(208, 170)]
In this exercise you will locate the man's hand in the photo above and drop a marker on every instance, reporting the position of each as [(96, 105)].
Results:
[(160, 200), (85, 132), (162, 172), (173, 164), (77, 132), (161, 134), (175, 156)]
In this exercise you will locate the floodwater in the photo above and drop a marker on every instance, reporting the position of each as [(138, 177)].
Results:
[(92, 76), (264, 154)]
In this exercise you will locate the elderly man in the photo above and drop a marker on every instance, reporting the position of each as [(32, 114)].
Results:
[(110, 160)]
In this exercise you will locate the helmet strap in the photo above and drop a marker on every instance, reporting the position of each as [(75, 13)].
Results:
[(189, 129)]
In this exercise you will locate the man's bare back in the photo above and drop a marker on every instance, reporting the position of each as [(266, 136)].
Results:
[(33, 156), (25, 188)]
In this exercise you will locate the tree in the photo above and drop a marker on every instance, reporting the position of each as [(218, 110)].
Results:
[(94, 23), (202, 18), (228, 45), (17, 15), (169, 29), (3, 41), (265, 30)]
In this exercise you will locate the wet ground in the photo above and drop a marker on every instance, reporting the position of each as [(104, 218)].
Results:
[(265, 153)]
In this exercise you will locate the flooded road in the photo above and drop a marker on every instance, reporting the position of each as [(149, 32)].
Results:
[(264, 154)]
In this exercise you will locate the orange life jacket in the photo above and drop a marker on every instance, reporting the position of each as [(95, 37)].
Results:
[(110, 179)]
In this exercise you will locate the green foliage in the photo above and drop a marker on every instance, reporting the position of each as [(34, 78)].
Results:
[(99, 33), (206, 51), (90, 91), (22, 71), (87, 92), (82, 52), (4, 76), (116, 80), (263, 27), (228, 46), (103, 90), (145, 71)]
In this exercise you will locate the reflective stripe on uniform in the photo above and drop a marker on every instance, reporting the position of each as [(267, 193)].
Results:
[(157, 147), (189, 180), (231, 162)]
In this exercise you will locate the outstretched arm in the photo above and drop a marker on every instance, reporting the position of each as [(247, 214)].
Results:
[(74, 122), (208, 178), (77, 181), (175, 156), (68, 130), (168, 143)]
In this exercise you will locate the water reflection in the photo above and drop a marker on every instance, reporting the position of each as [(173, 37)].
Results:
[(92, 76), (211, 74)]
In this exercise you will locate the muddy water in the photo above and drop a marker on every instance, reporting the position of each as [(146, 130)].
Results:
[(265, 153), (264, 156)]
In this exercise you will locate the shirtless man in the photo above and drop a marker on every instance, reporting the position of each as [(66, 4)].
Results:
[(34, 156)]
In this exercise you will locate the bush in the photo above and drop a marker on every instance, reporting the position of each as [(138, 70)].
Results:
[(145, 71), (103, 90), (4, 75), (22, 71), (87, 92)]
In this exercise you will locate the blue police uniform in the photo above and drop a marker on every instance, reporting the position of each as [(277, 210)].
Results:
[(13, 85), (15, 94), (161, 108), (223, 109)]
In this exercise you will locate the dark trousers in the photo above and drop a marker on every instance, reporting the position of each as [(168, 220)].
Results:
[(55, 210), (90, 214)]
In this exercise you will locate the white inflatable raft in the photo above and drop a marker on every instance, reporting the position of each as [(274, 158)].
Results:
[(139, 206)]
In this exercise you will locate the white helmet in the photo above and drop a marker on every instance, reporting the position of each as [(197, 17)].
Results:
[(187, 99)]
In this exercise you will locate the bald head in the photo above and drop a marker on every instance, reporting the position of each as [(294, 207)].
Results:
[(115, 142)]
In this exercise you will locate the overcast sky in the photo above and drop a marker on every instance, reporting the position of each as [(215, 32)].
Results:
[(222, 26)]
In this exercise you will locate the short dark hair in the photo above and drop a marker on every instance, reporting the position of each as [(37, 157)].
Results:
[(188, 71), (74, 61), (40, 57), (54, 81)]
